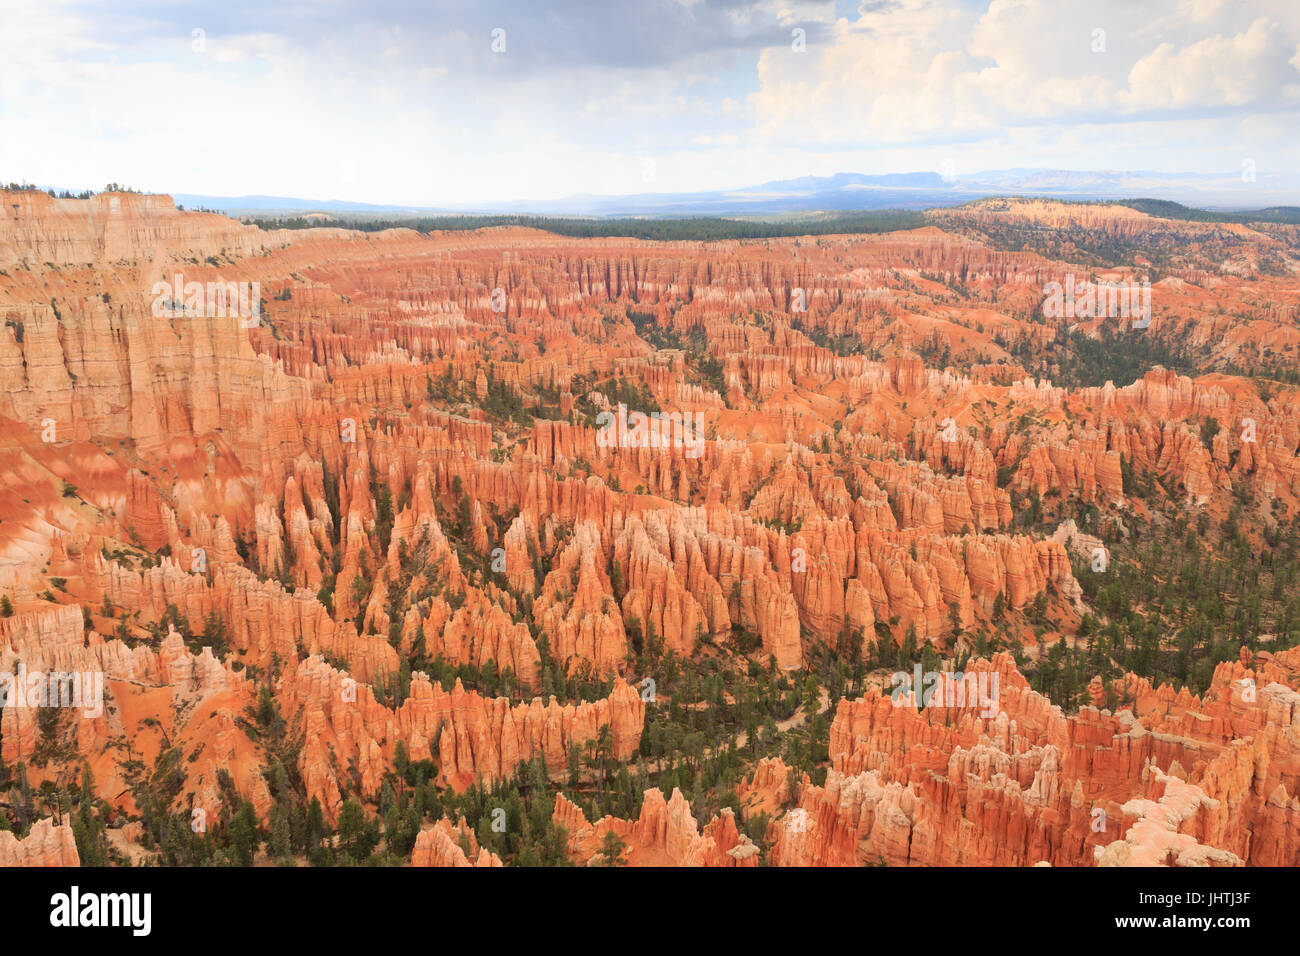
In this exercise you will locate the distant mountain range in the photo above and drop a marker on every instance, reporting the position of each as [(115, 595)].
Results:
[(809, 195)]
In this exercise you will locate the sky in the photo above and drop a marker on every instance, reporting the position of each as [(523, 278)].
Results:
[(386, 101)]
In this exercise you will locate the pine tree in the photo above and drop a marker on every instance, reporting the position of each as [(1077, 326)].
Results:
[(612, 849)]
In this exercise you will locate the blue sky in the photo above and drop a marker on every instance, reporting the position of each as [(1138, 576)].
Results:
[(411, 103)]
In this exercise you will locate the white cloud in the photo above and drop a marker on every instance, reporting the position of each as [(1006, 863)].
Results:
[(913, 70), (1214, 71), (384, 113)]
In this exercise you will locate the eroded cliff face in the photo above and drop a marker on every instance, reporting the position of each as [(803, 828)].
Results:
[(441, 845), (470, 737), (665, 834), (390, 484), (254, 433), (158, 699), (1169, 779), (46, 845)]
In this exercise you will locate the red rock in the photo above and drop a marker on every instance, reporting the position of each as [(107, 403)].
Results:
[(665, 834), (46, 845), (440, 846)]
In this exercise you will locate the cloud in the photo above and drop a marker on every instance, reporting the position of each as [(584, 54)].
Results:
[(382, 101), (911, 69), (1239, 70)]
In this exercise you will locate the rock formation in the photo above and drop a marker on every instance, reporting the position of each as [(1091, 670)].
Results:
[(370, 502)]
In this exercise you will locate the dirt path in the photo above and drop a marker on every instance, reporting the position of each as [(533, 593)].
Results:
[(137, 854), (797, 719)]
